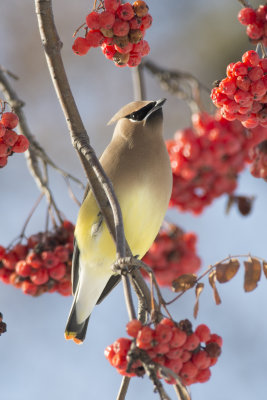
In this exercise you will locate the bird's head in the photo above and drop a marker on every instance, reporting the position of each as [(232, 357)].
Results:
[(139, 117)]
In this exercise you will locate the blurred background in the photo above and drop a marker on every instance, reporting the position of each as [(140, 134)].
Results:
[(198, 36)]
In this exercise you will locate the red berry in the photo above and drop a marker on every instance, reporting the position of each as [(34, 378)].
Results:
[(227, 86), (9, 120), (3, 161), (251, 58), (203, 332), (203, 375), (4, 150), (240, 69), (179, 337), (146, 21), (255, 73), (145, 337), (2, 129), (121, 346), (92, 20), (189, 370), (214, 338), (120, 27), (133, 327), (22, 268), (201, 359), (125, 11), (29, 288), (134, 60), (34, 260), (163, 333), (106, 19), (243, 83), (80, 46), (10, 137), (94, 38), (64, 288), (57, 272), (174, 365), (21, 145), (50, 259), (109, 51), (62, 253), (109, 353), (112, 5), (192, 342), (40, 276), (119, 361), (135, 23), (255, 31), (247, 16)]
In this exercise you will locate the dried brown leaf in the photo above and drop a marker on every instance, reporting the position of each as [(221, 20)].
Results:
[(230, 203), (264, 267), (252, 274), (212, 280), (198, 291), (226, 271), (184, 282)]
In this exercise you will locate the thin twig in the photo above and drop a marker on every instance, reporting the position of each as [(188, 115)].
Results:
[(181, 84), (244, 3), (123, 388)]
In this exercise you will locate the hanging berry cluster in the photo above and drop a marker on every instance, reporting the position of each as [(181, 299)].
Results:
[(10, 141), (188, 353), (172, 254), (242, 95), (41, 265), (256, 22), (119, 30), (206, 160)]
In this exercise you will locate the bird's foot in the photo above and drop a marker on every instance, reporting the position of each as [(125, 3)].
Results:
[(125, 265)]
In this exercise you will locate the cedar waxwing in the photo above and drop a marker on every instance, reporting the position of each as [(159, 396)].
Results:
[(138, 165)]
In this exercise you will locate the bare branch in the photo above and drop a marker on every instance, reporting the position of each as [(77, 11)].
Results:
[(138, 83)]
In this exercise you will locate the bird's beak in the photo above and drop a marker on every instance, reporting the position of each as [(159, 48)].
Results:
[(158, 104)]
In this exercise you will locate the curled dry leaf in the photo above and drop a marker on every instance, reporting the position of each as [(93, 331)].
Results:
[(199, 288), (252, 274), (184, 282), (226, 271), (212, 280), (264, 267)]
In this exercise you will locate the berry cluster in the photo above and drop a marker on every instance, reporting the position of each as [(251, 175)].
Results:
[(188, 353), (41, 265), (259, 161), (172, 254), (256, 22), (242, 95), (10, 141), (2, 324), (119, 30), (206, 160)]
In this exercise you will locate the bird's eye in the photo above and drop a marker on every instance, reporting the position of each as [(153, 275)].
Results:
[(134, 116)]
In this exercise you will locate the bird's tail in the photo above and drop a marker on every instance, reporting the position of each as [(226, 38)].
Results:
[(74, 330)]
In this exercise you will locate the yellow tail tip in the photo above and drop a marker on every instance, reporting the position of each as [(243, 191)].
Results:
[(72, 336)]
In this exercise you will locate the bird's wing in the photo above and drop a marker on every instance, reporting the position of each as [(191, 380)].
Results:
[(75, 267), (113, 281)]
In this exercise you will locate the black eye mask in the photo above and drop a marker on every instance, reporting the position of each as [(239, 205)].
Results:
[(142, 113)]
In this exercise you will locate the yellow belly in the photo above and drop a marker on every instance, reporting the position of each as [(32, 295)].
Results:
[(142, 217)]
